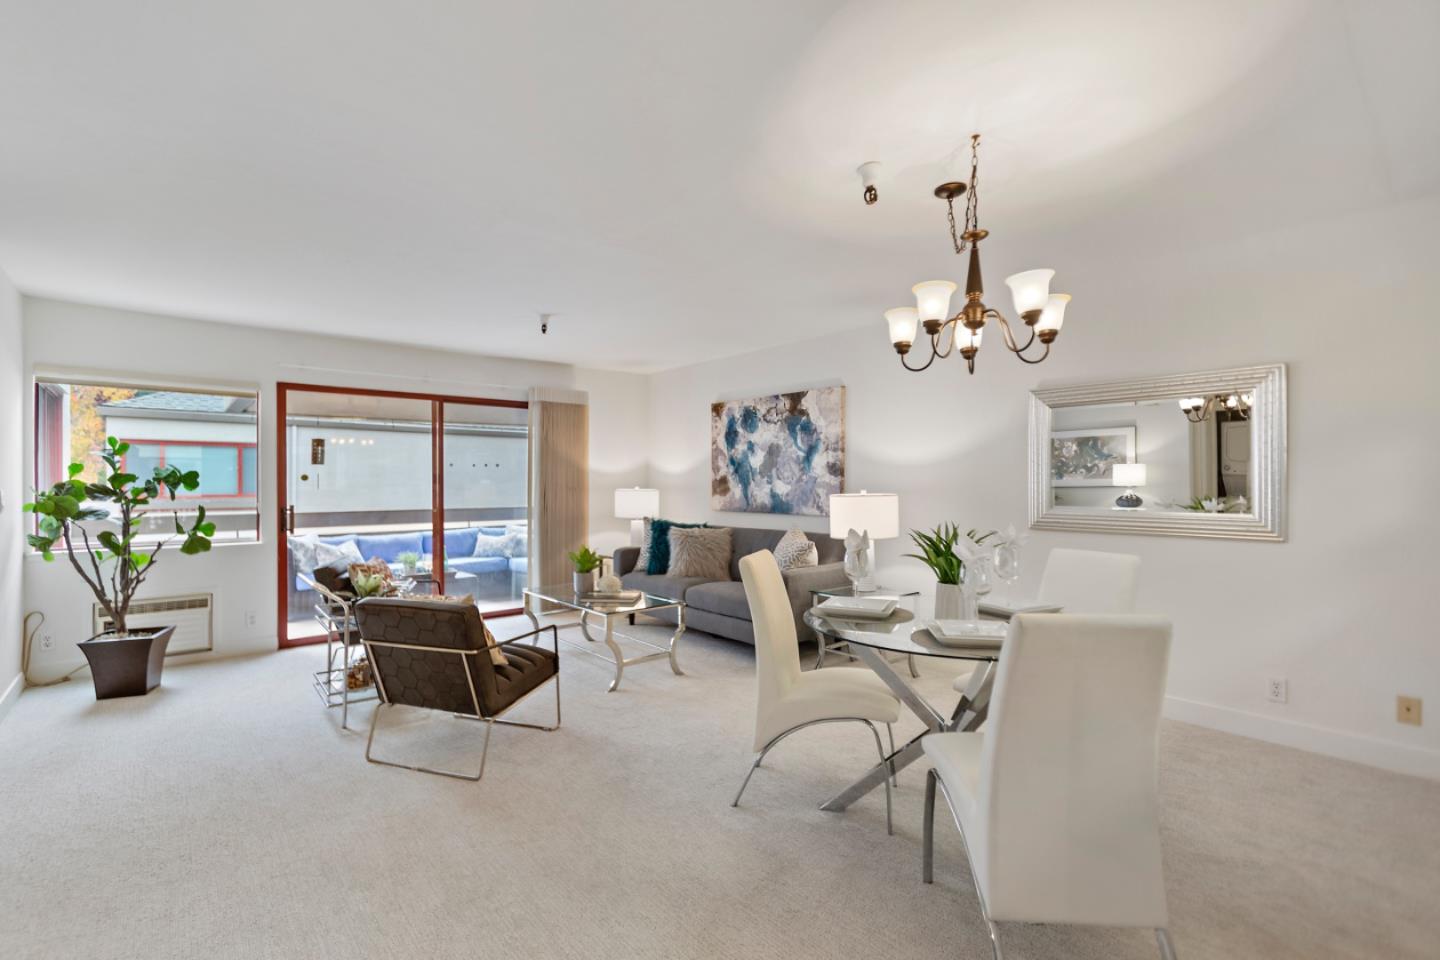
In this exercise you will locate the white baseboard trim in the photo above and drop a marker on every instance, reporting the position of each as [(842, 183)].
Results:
[(11, 694), (1373, 752)]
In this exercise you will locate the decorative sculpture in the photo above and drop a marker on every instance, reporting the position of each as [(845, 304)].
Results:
[(859, 561)]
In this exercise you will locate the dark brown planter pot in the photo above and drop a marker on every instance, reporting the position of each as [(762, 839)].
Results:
[(127, 666)]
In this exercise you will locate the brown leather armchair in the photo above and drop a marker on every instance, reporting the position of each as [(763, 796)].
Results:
[(436, 654)]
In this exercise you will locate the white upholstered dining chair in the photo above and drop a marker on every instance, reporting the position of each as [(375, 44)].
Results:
[(1085, 581), (788, 700), (1056, 800)]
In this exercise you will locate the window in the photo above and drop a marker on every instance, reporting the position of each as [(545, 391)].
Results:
[(226, 469), (213, 433)]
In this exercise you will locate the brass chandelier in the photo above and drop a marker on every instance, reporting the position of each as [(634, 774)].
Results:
[(1042, 311), (1199, 409)]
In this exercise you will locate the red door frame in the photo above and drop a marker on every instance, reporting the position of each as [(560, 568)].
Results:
[(437, 483)]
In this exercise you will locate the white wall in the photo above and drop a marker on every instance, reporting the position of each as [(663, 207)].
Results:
[(12, 491), (1343, 609), (66, 337)]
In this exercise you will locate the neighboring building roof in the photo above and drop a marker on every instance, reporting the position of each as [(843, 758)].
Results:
[(182, 405)]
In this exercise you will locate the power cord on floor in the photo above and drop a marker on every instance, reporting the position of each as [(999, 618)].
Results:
[(25, 653)]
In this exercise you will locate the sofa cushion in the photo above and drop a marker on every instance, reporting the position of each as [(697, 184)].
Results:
[(461, 543), (479, 564), (671, 588), (389, 546), (520, 564), (725, 597)]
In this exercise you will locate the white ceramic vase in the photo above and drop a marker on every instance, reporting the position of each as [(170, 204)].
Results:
[(947, 601)]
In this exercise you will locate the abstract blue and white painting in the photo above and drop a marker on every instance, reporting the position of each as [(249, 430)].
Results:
[(1087, 458), (779, 454)]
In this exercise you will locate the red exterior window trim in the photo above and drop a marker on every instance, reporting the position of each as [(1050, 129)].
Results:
[(240, 448)]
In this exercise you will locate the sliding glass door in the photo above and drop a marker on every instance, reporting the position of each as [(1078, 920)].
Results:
[(485, 490), (435, 487)]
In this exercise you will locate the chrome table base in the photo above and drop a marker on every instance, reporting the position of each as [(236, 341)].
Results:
[(969, 713)]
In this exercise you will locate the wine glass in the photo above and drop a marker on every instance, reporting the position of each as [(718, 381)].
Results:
[(1007, 568), (979, 568)]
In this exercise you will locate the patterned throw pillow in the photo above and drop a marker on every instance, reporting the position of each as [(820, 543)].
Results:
[(373, 568), (486, 546), (332, 565), (642, 562), (700, 552), (658, 562), (795, 550)]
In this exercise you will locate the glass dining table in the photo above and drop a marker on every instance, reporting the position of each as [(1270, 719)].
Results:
[(871, 640)]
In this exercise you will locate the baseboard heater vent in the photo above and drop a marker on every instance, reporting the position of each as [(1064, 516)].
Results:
[(191, 616)]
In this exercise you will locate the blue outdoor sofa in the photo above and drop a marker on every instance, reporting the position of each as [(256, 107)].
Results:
[(496, 576)]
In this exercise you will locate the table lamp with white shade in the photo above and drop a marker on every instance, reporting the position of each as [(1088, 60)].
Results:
[(635, 504), (870, 517), (1129, 476)]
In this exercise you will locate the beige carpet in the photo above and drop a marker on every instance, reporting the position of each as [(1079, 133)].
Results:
[(227, 815)]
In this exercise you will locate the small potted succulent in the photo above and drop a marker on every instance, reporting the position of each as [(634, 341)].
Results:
[(113, 564), (409, 560), (946, 553), (586, 562)]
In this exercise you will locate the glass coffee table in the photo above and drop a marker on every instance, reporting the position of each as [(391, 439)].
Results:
[(607, 612)]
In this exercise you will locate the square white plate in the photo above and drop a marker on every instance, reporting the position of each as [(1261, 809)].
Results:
[(967, 630), (858, 608)]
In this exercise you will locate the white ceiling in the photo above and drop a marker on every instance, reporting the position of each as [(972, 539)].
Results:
[(674, 180)]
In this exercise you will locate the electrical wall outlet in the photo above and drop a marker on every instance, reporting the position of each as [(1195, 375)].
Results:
[(47, 642), (1407, 710), (250, 618), (1277, 690)]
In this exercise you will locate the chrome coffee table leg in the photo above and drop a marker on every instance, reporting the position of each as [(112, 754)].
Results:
[(614, 649), (675, 638)]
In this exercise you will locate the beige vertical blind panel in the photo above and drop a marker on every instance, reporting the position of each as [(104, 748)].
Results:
[(559, 487), (1204, 466)]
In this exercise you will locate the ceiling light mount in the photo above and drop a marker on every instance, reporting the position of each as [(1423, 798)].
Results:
[(951, 191), (1040, 310)]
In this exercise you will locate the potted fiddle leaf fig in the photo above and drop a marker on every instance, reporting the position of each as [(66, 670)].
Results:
[(112, 562)]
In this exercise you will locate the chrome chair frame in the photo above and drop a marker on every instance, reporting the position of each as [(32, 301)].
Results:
[(474, 700), (927, 866), (889, 824), (337, 616)]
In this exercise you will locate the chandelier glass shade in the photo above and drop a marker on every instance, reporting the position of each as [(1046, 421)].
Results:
[(1040, 310), (1199, 409)]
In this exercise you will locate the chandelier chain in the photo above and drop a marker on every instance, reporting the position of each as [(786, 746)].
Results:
[(972, 197)]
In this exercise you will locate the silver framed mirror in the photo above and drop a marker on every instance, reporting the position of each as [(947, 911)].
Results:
[(1189, 455)]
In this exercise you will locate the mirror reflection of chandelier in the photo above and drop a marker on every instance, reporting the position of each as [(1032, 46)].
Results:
[(1199, 409), (1042, 311)]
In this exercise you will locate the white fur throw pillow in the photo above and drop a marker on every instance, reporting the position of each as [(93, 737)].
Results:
[(795, 550), (700, 552)]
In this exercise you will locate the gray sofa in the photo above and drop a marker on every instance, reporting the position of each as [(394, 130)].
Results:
[(719, 606)]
